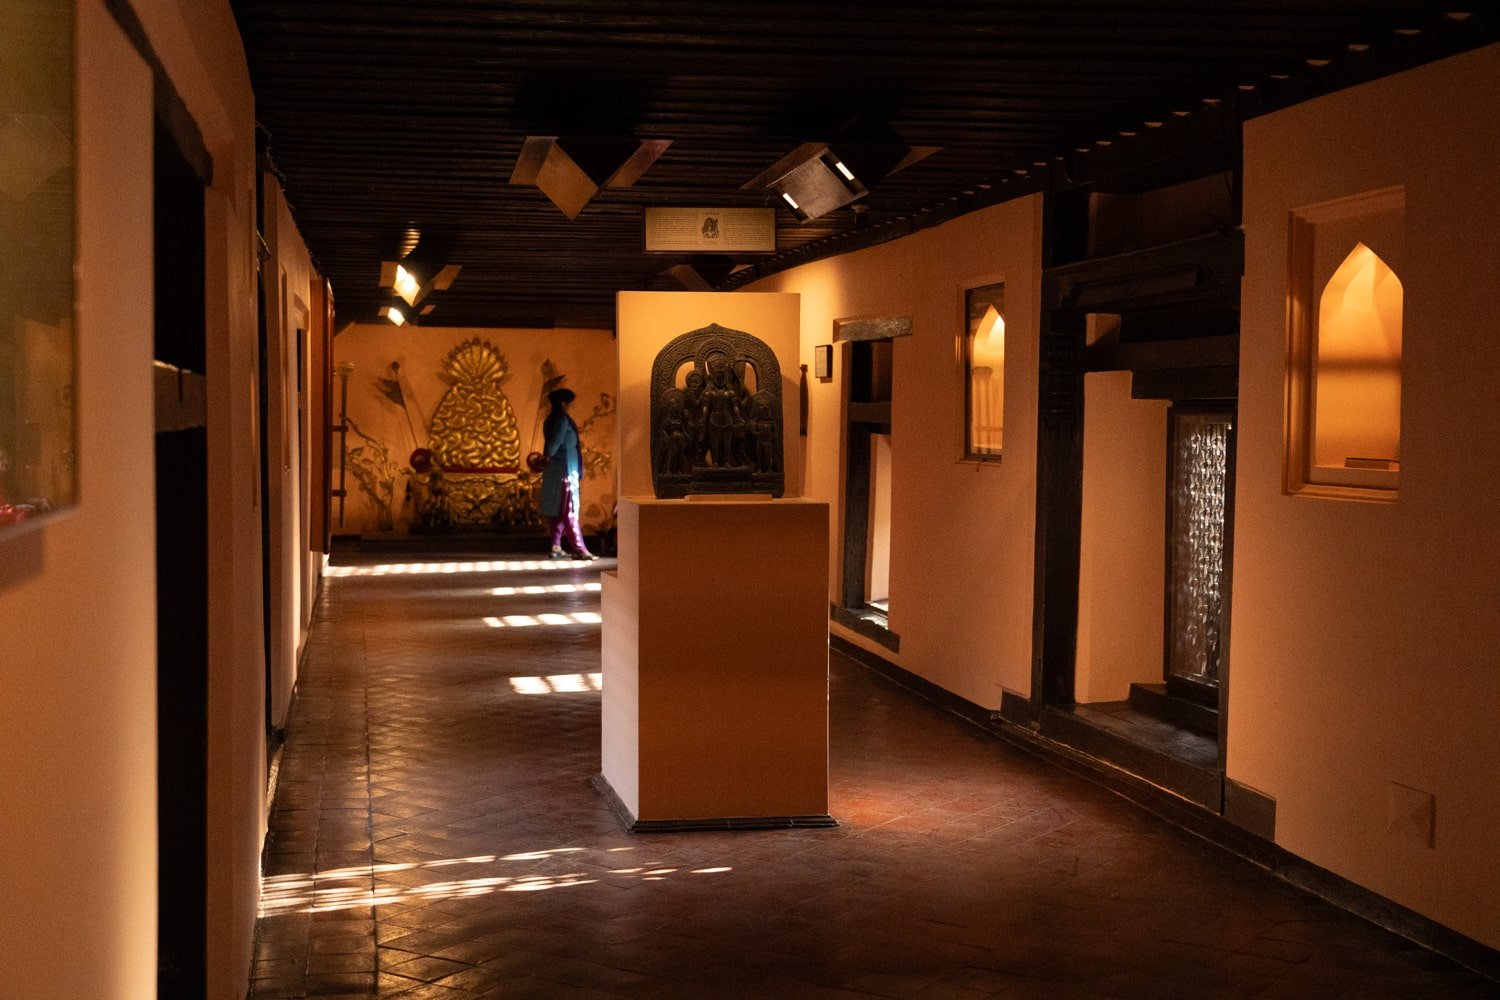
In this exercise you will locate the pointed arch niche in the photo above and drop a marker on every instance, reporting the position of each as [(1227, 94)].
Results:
[(1344, 337)]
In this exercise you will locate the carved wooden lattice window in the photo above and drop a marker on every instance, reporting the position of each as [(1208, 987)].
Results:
[(1202, 441)]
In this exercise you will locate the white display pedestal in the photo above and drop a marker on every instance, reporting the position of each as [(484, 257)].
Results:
[(715, 658)]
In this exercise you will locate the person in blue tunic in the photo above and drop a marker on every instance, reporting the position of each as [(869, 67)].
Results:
[(560, 476)]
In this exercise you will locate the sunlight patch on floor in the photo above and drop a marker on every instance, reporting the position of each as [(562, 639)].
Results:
[(450, 568), (359, 886), (558, 684), (546, 618), (556, 588)]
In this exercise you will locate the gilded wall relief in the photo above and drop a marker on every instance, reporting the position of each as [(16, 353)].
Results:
[(475, 443)]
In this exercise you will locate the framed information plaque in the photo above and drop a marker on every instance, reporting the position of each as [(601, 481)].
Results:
[(710, 230)]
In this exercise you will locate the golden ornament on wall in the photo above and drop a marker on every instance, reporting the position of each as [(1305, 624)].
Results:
[(474, 437)]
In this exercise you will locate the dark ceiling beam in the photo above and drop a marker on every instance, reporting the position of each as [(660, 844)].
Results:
[(383, 115)]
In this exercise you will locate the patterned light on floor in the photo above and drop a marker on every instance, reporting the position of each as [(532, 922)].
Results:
[(359, 886), (532, 621), (449, 568), (556, 588), (558, 684)]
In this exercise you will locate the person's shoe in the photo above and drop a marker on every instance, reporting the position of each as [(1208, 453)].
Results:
[(557, 553), (585, 555)]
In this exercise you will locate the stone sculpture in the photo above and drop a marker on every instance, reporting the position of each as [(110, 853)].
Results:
[(716, 415)]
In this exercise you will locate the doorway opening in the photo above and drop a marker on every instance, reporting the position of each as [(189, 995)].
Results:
[(181, 573), (864, 604), (1139, 384)]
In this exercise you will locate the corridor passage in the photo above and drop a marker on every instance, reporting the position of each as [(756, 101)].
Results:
[(434, 834)]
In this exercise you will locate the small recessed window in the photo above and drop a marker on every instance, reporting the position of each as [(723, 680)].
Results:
[(1357, 382), (984, 373), (1345, 337)]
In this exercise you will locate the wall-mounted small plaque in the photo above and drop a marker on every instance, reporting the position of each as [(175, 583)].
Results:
[(710, 230), (823, 361)]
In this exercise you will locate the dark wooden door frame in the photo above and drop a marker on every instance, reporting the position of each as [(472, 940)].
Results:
[(863, 420), (1059, 481)]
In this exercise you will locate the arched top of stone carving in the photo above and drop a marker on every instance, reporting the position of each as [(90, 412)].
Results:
[(713, 434)]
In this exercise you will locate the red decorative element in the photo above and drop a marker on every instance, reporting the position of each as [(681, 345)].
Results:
[(421, 460), (536, 461), (10, 514)]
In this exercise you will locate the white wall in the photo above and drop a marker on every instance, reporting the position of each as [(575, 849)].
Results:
[(961, 565), (77, 603), (289, 277), (1364, 640), (1122, 542), (77, 598)]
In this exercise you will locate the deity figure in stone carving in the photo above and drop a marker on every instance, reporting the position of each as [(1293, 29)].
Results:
[(709, 432)]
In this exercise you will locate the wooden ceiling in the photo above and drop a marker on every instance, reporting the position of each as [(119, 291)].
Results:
[(385, 117)]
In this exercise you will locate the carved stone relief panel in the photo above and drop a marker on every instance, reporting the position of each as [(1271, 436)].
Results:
[(716, 415)]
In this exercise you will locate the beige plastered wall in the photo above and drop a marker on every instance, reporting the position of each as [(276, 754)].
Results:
[(77, 597), (291, 421), (1364, 642), (586, 357), (1122, 540), (961, 565)]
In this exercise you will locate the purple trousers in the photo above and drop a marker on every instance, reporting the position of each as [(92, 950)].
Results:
[(565, 524)]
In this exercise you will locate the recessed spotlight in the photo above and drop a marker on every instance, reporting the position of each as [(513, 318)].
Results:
[(407, 286), (394, 314)]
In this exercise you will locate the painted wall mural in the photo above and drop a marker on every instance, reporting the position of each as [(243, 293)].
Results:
[(465, 467)]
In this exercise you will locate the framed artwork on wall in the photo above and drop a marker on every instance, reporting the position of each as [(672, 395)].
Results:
[(38, 346)]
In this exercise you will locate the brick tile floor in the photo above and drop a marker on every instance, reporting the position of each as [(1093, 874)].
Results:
[(434, 835)]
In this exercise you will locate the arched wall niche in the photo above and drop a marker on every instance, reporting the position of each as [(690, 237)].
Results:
[(1345, 338), (1357, 379)]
